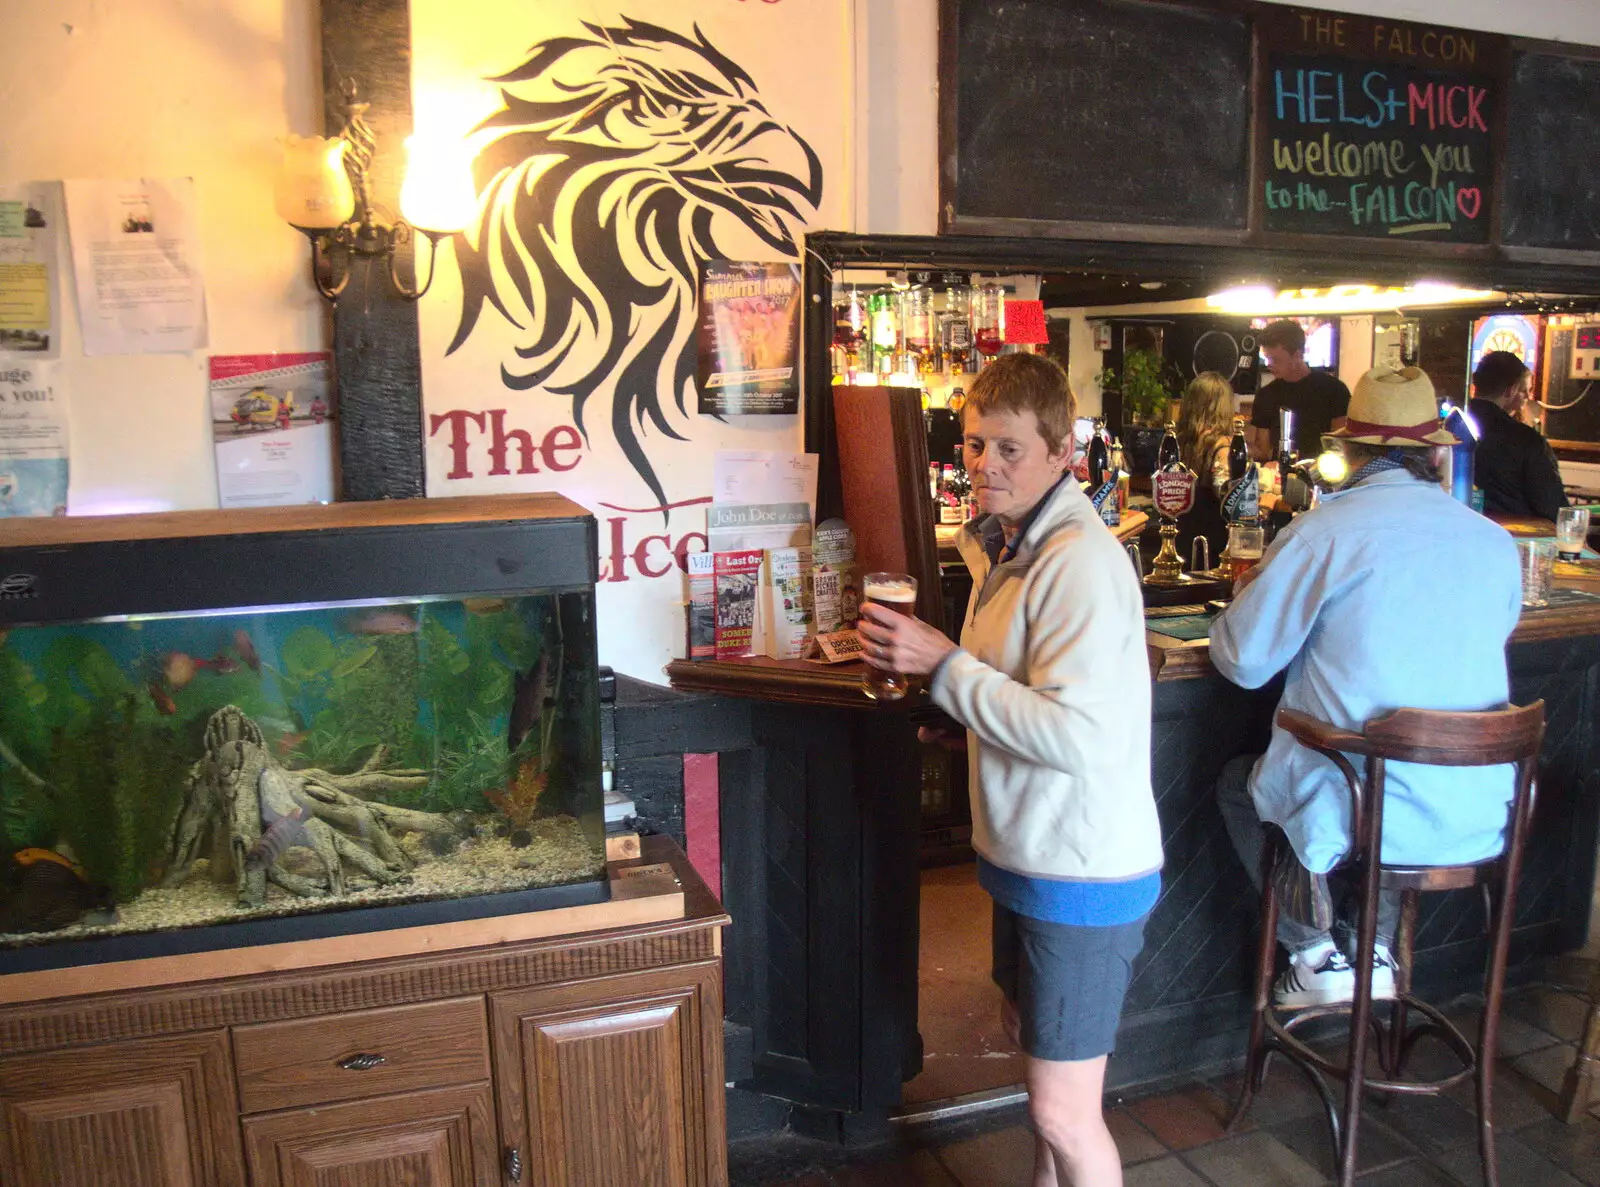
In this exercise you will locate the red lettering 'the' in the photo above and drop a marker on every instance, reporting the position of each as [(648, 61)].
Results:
[(552, 449)]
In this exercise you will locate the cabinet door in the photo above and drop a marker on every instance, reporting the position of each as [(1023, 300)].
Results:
[(615, 1082), (439, 1138), (150, 1113)]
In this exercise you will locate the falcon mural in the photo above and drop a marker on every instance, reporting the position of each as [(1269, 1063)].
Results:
[(616, 160)]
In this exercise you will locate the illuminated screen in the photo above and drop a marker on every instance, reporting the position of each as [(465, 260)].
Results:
[(1322, 339)]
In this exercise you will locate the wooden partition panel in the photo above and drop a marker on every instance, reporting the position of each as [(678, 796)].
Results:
[(883, 472)]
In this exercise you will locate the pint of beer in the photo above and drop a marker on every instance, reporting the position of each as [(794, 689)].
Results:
[(1245, 546), (897, 592)]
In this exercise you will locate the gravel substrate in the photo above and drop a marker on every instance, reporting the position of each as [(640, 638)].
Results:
[(558, 853)]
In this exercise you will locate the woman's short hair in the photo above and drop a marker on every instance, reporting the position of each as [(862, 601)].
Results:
[(1496, 374), (1285, 334), (1027, 383)]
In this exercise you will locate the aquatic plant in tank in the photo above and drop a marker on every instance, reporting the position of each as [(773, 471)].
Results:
[(182, 770)]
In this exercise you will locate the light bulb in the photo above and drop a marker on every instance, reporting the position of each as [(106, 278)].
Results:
[(437, 195)]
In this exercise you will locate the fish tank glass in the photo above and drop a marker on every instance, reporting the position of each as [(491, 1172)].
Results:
[(178, 779)]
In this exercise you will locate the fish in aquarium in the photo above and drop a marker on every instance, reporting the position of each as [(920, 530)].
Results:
[(46, 890), (192, 769)]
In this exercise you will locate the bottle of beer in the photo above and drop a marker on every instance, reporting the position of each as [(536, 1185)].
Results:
[(956, 326), (949, 496)]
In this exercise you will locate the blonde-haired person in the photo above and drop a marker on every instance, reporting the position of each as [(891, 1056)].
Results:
[(1053, 687), (1205, 427)]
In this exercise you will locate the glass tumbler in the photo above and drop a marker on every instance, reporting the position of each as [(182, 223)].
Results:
[(1537, 558), (1572, 531), (897, 592)]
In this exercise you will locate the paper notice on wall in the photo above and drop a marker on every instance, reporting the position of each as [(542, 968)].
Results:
[(30, 292), (272, 422), (33, 440), (136, 263)]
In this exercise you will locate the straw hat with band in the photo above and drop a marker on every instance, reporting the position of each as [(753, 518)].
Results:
[(1392, 407)]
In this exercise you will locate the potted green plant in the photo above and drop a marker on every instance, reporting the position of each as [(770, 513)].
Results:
[(1146, 384)]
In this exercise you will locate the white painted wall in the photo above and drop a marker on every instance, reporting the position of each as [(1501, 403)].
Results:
[(162, 88), (99, 88)]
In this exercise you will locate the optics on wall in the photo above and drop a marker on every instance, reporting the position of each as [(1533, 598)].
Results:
[(1259, 300), (322, 192)]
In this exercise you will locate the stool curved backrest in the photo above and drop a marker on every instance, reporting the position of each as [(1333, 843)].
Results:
[(1436, 738), (1484, 738)]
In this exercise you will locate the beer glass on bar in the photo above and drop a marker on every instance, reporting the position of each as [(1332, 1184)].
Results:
[(897, 592), (1245, 546)]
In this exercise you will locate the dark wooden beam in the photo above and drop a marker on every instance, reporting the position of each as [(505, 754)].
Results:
[(374, 330)]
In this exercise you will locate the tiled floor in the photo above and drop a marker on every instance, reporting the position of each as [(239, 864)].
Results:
[(1177, 1139)]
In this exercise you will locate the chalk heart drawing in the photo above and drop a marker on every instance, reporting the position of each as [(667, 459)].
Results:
[(617, 157), (1470, 201)]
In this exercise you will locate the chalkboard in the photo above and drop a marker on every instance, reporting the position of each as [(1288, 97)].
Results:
[(1553, 153), (1114, 111), (1356, 147)]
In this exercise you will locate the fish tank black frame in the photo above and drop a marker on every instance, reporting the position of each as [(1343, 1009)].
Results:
[(75, 570)]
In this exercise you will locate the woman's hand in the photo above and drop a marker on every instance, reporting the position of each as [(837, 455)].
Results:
[(897, 643)]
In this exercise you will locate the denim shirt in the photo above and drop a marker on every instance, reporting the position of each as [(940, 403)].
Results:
[(1390, 594)]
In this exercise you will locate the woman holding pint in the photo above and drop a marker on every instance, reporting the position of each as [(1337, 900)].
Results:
[(1052, 685)]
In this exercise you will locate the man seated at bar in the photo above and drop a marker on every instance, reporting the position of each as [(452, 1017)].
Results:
[(1317, 399), (1513, 464), (1389, 594), (1052, 684)]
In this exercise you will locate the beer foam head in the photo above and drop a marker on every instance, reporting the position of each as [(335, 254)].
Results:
[(886, 591)]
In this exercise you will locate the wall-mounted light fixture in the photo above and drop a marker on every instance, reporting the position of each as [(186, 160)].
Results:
[(322, 192)]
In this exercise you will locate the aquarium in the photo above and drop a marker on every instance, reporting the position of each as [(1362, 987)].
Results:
[(174, 779)]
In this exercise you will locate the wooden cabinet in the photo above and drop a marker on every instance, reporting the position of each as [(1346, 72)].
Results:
[(143, 1113), (605, 1068), (612, 1083), (438, 1138)]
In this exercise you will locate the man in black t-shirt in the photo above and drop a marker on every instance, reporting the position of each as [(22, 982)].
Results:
[(1319, 401)]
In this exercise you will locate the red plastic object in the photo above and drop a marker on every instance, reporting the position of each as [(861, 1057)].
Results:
[(1025, 323)]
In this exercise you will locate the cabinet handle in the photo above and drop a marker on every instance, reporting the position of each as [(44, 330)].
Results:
[(514, 1164), (362, 1063)]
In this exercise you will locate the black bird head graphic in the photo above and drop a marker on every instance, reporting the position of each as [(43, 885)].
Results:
[(615, 160)]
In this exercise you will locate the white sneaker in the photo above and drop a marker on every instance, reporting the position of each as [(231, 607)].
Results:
[(1317, 976), (1383, 971), (1323, 976)]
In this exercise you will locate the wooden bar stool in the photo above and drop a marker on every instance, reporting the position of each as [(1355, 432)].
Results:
[(1509, 735)]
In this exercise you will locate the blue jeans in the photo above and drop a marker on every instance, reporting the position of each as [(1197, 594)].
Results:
[(1248, 835)]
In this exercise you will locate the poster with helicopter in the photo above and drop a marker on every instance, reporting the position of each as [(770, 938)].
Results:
[(272, 425)]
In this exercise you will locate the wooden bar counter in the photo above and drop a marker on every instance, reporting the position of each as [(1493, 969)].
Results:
[(821, 826)]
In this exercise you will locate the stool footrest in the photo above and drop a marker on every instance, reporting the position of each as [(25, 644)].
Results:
[(1281, 1037)]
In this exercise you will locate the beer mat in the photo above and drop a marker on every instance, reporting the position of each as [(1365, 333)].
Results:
[(1181, 626)]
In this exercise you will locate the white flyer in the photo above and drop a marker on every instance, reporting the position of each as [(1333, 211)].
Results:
[(33, 440), (272, 424), (30, 290), (136, 263), (745, 476)]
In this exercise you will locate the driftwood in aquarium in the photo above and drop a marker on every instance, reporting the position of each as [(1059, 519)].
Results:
[(246, 810)]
